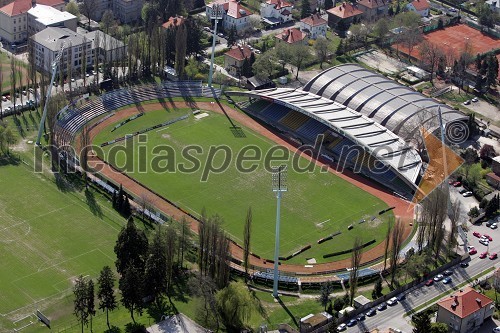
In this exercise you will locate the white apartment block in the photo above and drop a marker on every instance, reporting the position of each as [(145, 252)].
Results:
[(41, 17), (14, 18)]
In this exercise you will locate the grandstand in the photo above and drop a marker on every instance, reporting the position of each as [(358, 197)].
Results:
[(71, 119), (364, 119)]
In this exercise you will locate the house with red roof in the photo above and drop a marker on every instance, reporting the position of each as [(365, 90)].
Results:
[(343, 14), (274, 12), (373, 9), (291, 36), (421, 7), (234, 58), (234, 14), (314, 26), (464, 311), (14, 18), (174, 22)]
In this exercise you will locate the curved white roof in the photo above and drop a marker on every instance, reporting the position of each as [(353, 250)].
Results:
[(374, 138)]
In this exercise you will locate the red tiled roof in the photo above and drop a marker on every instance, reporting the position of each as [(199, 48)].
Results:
[(465, 302), (373, 3), (174, 22), (420, 4), (314, 20), (278, 4), (232, 8), (345, 10), (22, 6), (239, 52), (291, 35)]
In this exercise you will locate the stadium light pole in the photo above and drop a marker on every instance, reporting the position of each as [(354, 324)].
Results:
[(279, 186), (217, 13)]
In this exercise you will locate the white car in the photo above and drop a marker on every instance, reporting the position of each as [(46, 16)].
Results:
[(493, 226), (438, 277), (392, 301), (474, 99), (496, 329), (484, 241), (467, 194), (341, 327)]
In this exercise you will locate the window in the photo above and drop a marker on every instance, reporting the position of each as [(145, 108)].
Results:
[(14, 29), (14, 21)]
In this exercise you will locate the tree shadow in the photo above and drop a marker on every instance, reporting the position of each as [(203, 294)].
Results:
[(94, 206), (158, 309), (288, 312), (9, 159), (67, 183), (33, 120)]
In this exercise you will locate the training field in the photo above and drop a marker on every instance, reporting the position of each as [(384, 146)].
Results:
[(317, 204), (48, 237)]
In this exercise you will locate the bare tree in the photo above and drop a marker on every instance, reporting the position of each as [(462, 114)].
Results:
[(454, 216), (246, 240), (356, 255), (180, 50), (88, 8), (430, 54), (184, 240), (321, 48), (396, 242), (387, 240)]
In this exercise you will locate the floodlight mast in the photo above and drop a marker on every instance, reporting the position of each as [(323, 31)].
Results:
[(47, 97), (217, 14), (279, 186)]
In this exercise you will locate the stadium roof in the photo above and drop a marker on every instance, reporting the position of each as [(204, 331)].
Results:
[(386, 146), (397, 107)]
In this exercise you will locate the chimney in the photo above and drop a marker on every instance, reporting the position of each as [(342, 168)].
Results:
[(33, 3), (478, 300)]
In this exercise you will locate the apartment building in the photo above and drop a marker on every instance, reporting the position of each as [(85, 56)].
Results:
[(41, 17)]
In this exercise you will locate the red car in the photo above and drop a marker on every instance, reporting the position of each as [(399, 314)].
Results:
[(472, 251), (483, 255), (488, 238), (457, 184), (477, 234), (493, 256), (429, 282)]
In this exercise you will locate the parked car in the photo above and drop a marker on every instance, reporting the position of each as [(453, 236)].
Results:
[(467, 102), (494, 226), (457, 184), (448, 272), (401, 297), (484, 241), (476, 234), (475, 99), (467, 194), (488, 237), (483, 255), (360, 317), (447, 280), (4, 98), (372, 312), (429, 282), (351, 322), (392, 301), (438, 277), (472, 251), (496, 329), (382, 307), (462, 191), (493, 256), (464, 264), (341, 327)]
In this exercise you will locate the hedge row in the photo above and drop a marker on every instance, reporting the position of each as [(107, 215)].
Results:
[(348, 251), (385, 210), (296, 253), (126, 121), (328, 237)]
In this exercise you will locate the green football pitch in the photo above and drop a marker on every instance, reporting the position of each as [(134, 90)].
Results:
[(316, 205), (48, 237)]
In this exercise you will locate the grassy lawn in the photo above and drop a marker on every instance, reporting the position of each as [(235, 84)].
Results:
[(318, 203), (5, 69)]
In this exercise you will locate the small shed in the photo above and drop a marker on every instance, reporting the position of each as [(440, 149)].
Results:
[(418, 72), (312, 322), (361, 301)]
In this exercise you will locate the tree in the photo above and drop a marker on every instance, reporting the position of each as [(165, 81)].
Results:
[(84, 153), (377, 289), (430, 54), (439, 328), (282, 54), (491, 207), (396, 243), (356, 255), (473, 212), (131, 248), (492, 70), (486, 17), (454, 216), (235, 304), (184, 240), (90, 302), (422, 322), (180, 50), (247, 231), (381, 29), (105, 292), (130, 285), (88, 8), (204, 287), (487, 152), (6, 138), (328, 4), (324, 296), (232, 36), (155, 272), (387, 240), (299, 56), (107, 21), (263, 67), (305, 10), (72, 8), (80, 301), (321, 48)]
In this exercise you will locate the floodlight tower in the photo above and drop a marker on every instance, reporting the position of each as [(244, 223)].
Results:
[(217, 14), (279, 186), (49, 91)]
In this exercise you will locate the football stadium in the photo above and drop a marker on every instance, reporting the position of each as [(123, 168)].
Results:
[(356, 121)]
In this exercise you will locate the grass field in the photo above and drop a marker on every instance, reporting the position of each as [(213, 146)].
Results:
[(5, 70), (48, 237), (316, 205)]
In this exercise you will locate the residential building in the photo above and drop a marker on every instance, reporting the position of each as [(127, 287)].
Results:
[(464, 311), (275, 12), (109, 48), (14, 19), (101, 6), (344, 14), (174, 22), (314, 26), (48, 44), (41, 17), (127, 11), (291, 36), (421, 7), (234, 58), (234, 14), (373, 9), (494, 5)]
